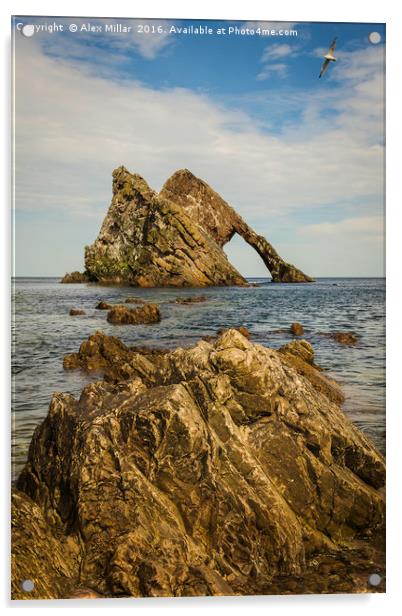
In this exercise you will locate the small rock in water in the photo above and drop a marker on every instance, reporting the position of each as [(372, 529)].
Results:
[(74, 312), (341, 337), (344, 337), (297, 329), (193, 299), (120, 315), (104, 306), (135, 300)]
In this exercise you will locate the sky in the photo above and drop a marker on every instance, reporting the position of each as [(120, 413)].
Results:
[(300, 158)]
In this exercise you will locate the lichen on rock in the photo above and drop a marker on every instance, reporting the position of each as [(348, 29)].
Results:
[(151, 240)]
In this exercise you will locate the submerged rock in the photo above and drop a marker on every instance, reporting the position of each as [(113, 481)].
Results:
[(341, 337), (75, 277), (74, 312), (192, 299), (134, 300), (219, 469), (345, 337), (120, 315), (173, 238)]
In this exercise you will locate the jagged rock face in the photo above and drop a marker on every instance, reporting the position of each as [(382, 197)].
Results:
[(174, 238), (209, 470), (148, 241), (221, 221), (300, 355)]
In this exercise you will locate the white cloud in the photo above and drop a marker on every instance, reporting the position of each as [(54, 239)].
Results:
[(272, 53), (277, 50), (349, 247), (279, 69), (74, 127), (366, 225), (117, 45)]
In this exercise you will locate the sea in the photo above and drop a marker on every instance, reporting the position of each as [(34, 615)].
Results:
[(43, 332)]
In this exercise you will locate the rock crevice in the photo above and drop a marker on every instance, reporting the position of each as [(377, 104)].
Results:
[(211, 470)]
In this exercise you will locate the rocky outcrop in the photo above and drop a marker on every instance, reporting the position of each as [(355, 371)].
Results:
[(218, 469), (221, 221), (149, 241), (299, 354), (121, 315), (173, 238), (75, 277)]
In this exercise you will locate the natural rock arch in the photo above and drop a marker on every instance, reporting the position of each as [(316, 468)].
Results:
[(174, 238), (221, 221)]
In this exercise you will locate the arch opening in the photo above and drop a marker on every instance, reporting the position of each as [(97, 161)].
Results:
[(245, 258)]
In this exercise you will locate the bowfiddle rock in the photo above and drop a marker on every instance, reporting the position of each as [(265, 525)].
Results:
[(174, 238)]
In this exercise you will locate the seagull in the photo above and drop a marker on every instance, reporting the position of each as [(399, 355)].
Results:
[(329, 57)]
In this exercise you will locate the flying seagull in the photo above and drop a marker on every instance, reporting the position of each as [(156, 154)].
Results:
[(329, 57)]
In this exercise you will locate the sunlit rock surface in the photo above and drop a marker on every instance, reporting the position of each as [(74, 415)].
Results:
[(219, 469)]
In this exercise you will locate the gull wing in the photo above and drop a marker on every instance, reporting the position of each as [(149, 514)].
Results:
[(332, 47), (323, 68)]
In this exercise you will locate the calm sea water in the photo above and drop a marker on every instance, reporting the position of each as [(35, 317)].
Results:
[(43, 332)]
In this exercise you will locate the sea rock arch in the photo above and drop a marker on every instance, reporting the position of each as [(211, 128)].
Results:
[(174, 238)]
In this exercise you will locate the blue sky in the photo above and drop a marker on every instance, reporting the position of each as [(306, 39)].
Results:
[(300, 158)]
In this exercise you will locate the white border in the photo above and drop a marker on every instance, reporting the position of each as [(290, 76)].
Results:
[(308, 10)]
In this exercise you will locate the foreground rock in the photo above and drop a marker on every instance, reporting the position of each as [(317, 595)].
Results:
[(121, 315), (219, 469), (300, 355), (173, 238), (243, 331), (75, 277)]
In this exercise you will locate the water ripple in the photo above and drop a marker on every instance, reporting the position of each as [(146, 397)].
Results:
[(43, 332)]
